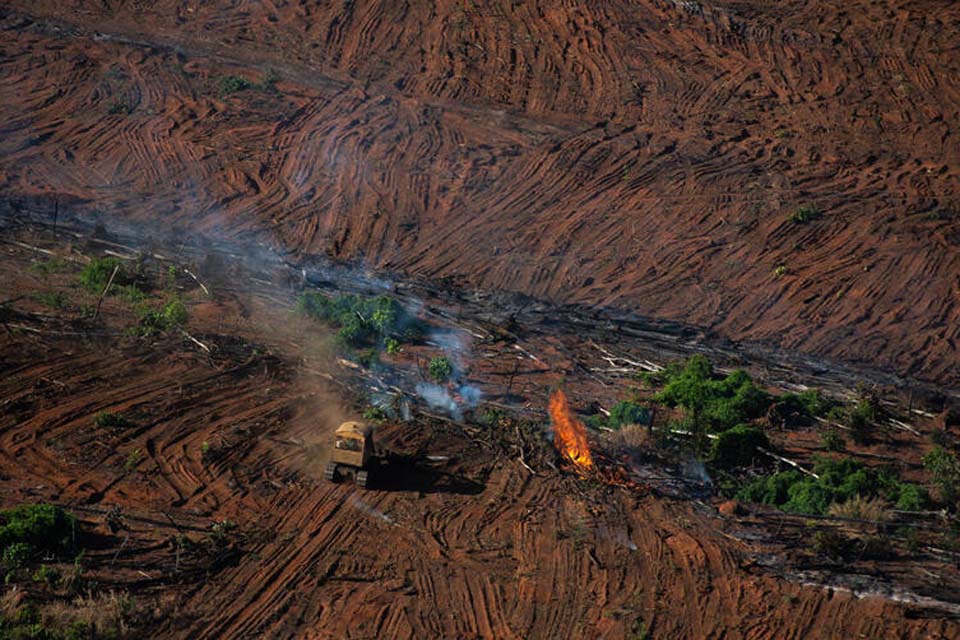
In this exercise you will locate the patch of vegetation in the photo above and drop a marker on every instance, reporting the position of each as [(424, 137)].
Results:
[(839, 481), (34, 528), (53, 265), (392, 345), (130, 293), (17, 555), (133, 459), (623, 413), (944, 468), (374, 414), (120, 107), (46, 575), (720, 403), (805, 214), (269, 81), (780, 271), (233, 84), (362, 321), (440, 369), (221, 532), (810, 402), (52, 299), (108, 420), (170, 316), (861, 419), (96, 274), (831, 440), (737, 447)]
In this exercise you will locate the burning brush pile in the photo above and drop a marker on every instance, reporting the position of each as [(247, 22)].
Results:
[(570, 439)]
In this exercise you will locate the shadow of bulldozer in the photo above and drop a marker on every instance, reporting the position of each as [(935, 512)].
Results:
[(406, 472)]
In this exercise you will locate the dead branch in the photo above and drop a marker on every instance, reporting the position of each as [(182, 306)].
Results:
[(189, 273), (23, 245), (613, 359), (516, 428), (904, 426), (796, 465), (105, 290), (195, 341)]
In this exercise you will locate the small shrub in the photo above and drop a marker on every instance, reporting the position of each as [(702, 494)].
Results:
[(810, 403), (131, 294), (392, 345), (97, 272), (780, 271), (831, 440), (944, 468), (220, 532), (108, 420), (17, 555), (804, 214), (737, 447), (170, 316), (52, 299), (861, 420), (120, 107), (133, 459), (43, 526), (53, 265), (46, 575), (832, 544), (860, 508), (233, 84), (628, 412), (374, 414), (440, 369)]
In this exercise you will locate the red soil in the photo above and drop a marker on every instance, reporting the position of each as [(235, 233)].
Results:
[(640, 154), (477, 548)]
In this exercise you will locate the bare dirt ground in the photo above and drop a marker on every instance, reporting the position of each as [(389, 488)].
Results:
[(468, 543), (647, 155)]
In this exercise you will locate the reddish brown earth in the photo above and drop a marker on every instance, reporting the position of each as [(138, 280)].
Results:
[(471, 546), (644, 154)]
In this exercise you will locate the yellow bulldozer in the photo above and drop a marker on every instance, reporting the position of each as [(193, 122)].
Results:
[(353, 454)]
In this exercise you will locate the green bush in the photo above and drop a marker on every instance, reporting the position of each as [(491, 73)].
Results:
[(628, 412), (861, 419), (130, 293), (96, 274), (805, 214), (944, 468), (440, 369), (52, 299), (233, 84), (360, 320), (831, 440), (171, 315), (374, 414), (737, 447), (17, 555), (108, 420), (43, 526), (839, 481), (810, 403), (721, 402)]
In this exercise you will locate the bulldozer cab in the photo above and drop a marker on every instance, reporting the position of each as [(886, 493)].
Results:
[(353, 444)]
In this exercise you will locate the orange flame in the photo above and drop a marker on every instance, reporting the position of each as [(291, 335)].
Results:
[(569, 434)]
